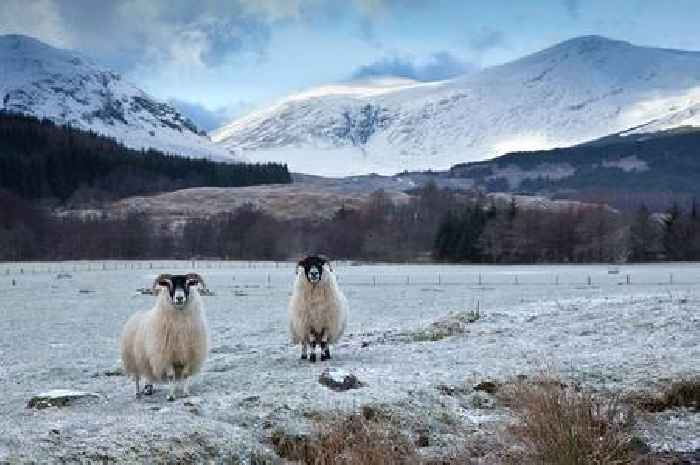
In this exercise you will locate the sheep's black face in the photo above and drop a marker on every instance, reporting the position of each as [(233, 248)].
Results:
[(179, 288), (313, 268)]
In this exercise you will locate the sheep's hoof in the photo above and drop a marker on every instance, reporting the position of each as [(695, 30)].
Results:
[(171, 398), (304, 356), (325, 357), (312, 357), (148, 390)]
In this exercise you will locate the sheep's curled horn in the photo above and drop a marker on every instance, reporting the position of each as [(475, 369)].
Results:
[(159, 278), (199, 279)]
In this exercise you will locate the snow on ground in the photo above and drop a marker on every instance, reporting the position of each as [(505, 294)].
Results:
[(63, 334)]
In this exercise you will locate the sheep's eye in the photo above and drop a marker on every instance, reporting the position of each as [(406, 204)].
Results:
[(192, 283), (164, 283)]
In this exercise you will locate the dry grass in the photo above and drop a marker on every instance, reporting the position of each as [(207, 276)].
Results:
[(559, 425), (555, 424), (365, 438), (682, 393)]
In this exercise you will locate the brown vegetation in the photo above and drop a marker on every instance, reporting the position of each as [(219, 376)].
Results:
[(560, 425), (682, 393), (366, 438)]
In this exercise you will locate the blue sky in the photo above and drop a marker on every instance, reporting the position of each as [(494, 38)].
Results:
[(219, 58)]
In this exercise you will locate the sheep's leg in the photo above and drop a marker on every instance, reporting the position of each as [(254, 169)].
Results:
[(172, 383), (312, 342), (186, 386), (138, 386), (304, 350), (325, 350)]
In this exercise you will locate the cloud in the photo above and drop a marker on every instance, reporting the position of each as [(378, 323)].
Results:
[(38, 18), (439, 66), (487, 39), (208, 119), (126, 34), (573, 8)]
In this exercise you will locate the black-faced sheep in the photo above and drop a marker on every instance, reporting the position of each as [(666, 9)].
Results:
[(168, 343), (317, 309)]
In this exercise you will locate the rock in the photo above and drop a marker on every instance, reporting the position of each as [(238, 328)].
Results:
[(489, 387), (60, 398), (339, 380), (448, 390), (423, 438)]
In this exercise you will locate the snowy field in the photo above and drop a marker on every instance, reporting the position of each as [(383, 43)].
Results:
[(612, 329)]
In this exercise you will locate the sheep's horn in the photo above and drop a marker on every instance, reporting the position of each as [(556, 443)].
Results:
[(159, 278), (198, 277)]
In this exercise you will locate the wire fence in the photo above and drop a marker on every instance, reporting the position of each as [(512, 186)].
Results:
[(271, 273)]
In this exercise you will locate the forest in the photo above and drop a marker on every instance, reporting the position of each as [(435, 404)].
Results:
[(436, 225), (42, 160), (43, 165)]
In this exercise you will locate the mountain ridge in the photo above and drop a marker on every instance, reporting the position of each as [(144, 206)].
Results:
[(68, 88), (575, 91)]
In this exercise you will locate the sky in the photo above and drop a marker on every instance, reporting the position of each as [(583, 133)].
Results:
[(218, 59)]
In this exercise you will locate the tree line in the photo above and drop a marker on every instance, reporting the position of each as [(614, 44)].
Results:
[(435, 225), (42, 160)]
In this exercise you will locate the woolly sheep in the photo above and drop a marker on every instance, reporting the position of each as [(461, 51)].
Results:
[(317, 309), (170, 341)]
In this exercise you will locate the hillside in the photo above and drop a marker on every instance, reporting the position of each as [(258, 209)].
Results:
[(67, 88), (39, 159), (652, 168), (573, 92)]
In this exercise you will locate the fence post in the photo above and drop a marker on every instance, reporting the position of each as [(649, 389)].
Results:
[(670, 278), (439, 280), (628, 278), (589, 280)]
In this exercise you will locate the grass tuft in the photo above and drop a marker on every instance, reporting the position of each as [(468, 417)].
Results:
[(559, 425), (682, 393), (355, 439)]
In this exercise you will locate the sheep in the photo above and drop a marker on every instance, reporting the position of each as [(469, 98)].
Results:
[(317, 309), (170, 341)]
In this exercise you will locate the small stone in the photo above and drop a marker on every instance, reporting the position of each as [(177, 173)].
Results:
[(59, 398), (339, 380)]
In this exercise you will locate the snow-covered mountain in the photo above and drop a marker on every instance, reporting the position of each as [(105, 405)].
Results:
[(63, 86), (576, 91)]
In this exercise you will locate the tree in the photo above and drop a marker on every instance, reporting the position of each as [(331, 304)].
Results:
[(645, 236)]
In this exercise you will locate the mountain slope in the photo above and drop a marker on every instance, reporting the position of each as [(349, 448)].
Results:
[(623, 170), (42, 81), (576, 91)]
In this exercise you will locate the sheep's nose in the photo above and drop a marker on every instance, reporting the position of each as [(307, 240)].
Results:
[(179, 299)]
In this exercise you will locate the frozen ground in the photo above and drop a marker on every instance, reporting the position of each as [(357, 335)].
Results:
[(63, 334)]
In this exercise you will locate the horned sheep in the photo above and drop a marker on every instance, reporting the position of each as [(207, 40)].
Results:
[(317, 309), (169, 342)]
